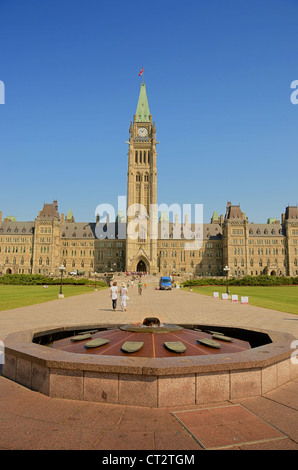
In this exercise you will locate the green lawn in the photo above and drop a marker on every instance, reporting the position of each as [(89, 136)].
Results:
[(12, 296), (281, 298)]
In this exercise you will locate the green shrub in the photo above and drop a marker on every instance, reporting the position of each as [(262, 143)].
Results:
[(39, 279), (262, 280)]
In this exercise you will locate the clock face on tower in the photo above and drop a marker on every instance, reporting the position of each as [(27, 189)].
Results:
[(142, 132)]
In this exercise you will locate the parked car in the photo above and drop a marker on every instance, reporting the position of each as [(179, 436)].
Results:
[(165, 283)]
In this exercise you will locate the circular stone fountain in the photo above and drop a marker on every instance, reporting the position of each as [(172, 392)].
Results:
[(150, 363)]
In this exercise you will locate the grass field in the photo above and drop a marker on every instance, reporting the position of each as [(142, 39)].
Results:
[(12, 296), (281, 298)]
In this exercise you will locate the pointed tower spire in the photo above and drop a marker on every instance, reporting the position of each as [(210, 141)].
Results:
[(142, 112)]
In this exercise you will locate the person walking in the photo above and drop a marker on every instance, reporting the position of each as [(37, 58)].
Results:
[(114, 295), (140, 287), (123, 297)]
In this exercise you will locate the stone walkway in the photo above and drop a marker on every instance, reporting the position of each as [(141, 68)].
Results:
[(175, 306), (29, 420)]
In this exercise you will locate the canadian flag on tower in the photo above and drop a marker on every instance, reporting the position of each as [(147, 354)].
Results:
[(141, 72)]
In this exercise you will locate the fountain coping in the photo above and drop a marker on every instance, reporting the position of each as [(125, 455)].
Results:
[(21, 345)]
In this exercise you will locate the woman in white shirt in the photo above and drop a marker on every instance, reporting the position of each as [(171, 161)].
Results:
[(123, 297), (114, 295)]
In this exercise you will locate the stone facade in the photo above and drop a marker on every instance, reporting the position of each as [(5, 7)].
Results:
[(134, 244)]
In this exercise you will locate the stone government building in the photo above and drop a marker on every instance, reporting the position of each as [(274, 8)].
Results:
[(52, 239)]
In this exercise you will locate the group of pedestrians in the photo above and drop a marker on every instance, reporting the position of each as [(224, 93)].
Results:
[(123, 296), (123, 292)]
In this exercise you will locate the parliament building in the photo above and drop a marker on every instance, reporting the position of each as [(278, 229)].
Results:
[(157, 246)]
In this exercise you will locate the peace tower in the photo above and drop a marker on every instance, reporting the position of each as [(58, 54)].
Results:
[(141, 227)]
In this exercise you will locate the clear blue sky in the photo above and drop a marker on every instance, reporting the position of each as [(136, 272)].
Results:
[(218, 76)]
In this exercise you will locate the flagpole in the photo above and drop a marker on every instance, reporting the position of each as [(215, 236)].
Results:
[(142, 75)]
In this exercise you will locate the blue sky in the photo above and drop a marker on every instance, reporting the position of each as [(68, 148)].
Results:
[(218, 76)]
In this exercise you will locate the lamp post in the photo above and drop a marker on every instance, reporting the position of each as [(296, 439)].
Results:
[(227, 269), (95, 274), (61, 269)]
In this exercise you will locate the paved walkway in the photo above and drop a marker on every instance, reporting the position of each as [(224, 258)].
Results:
[(29, 420)]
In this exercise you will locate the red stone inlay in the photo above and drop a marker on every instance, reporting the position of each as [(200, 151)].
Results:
[(153, 344)]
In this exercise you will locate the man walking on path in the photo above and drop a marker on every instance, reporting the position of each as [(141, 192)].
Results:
[(114, 295)]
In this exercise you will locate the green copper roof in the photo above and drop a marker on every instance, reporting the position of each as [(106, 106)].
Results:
[(271, 220), (69, 214), (163, 217), (142, 112), (215, 215)]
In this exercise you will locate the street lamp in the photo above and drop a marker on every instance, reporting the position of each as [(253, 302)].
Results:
[(95, 274), (227, 269), (61, 269)]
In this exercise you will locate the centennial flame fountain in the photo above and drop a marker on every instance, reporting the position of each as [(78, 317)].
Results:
[(149, 364)]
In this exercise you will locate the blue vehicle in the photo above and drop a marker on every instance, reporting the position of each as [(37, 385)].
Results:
[(165, 283)]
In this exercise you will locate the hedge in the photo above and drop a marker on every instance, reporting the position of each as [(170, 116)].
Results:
[(39, 279), (262, 280)]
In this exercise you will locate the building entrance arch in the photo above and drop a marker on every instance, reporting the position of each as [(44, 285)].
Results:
[(141, 267)]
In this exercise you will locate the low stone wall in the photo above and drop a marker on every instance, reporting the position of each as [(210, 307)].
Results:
[(150, 382)]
